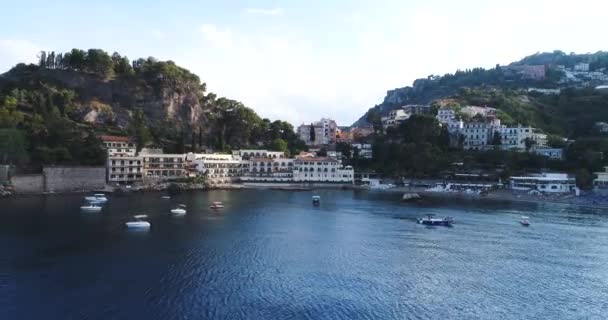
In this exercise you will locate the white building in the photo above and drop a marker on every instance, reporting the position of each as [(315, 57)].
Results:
[(472, 111), (600, 184), (321, 169), (268, 170), (123, 166), (546, 182), (364, 150), (394, 118), (551, 153), (447, 117), (254, 153), (215, 166), (162, 166), (325, 132), (479, 135), (581, 67)]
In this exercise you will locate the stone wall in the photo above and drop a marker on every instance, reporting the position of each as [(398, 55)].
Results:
[(30, 183), (67, 179)]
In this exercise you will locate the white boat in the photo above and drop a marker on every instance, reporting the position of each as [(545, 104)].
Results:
[(316, 200), (216, 205), (165, 197), (91, 207), (139, 222), (98, 197), (180, 210), (430, 221), (525, 221)]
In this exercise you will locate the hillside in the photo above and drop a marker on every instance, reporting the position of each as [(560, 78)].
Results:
[(571, 113), (51, 112)]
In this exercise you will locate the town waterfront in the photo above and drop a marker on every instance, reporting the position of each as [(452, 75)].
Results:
[(272, 255)]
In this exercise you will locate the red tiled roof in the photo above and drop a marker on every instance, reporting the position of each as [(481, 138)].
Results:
[(114, 138)]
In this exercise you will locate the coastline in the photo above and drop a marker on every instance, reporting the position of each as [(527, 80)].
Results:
[(498, 196)]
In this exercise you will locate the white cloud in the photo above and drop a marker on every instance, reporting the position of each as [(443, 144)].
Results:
[(14, 51), (265, 12), (217, 37)]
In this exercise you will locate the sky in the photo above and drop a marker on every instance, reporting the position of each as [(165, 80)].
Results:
[(303, 60)]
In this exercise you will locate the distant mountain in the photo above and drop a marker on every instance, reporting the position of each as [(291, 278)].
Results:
[(505, 88)]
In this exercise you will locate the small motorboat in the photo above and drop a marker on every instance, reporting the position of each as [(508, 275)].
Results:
[(316, 200), (216, 205), (180, 210), (525, 221), (429, 220), (98, 197), (139, 222), (91, 207), (165, 197)]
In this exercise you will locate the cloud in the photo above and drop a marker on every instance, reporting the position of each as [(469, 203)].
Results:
[(14, 51), (217, 37), (265, 12)]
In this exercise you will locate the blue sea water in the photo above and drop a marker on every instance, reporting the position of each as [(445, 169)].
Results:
[(272, 255)]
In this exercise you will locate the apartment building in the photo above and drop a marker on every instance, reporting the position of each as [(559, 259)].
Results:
[(321, 169), (215, 166), (123, 166), (159, 165)]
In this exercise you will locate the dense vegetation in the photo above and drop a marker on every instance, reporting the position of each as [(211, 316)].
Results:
[(44, 110)]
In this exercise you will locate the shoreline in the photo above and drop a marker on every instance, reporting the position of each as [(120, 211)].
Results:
[(496, 196)]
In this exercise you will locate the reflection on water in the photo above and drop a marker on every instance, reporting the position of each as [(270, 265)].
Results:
[(272, 255)]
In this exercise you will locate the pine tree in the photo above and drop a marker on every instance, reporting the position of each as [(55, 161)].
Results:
[(312, 133)]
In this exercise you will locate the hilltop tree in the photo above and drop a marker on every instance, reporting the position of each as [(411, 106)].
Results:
[(312, 133)]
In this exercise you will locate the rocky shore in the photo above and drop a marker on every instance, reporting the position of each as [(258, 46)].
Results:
[(6, 190)]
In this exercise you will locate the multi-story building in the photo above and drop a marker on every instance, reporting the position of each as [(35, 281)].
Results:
[(268, 170), (325, 132), (364, 150), (417, 109), (161, 166), (551, 153), (447, 117), (321, 169), (394, 118), (344, 134), (600, 183), (478, 135), (215, 166), (581, 67), (254, 153), (123, 166), (473, 111), (546, 182)]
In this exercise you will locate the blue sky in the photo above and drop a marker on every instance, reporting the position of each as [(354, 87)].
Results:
[(303, 60)]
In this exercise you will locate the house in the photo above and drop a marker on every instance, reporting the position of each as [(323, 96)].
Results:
[(364, 150), (394, 118), (478, 135), (546, 182), (581, 67), (447, 117), (325, 132), (216, 167), (160, 166), (123, 166), (551, 153), (416, 109), (600, 183), (321, 169)]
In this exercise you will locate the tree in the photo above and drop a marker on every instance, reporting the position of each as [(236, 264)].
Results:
[(139, 129), (13, 145), (584, 179), (529, 142), (279, 145), (322, 152), (312, 133)]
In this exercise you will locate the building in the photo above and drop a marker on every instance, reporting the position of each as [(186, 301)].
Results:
[(551, 153), (601, 127), (361, 132), (251, 153), (535, 72), (394, 118), (600, 183), (545, 91), (123, 166), (325, 132), (215, 166), (160, 166), (514, 138), (581, 67), (478, 135), (321, 169), (473, 111), (344, 134), (364, 150), (546, 182), (447, 117), (417, 109)]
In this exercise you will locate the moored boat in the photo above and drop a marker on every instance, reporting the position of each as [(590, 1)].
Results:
[(524, 221), (91, 207), (138, 222), (216, 205), (98, 197), (180, 210), (431, 221), (316, 199)]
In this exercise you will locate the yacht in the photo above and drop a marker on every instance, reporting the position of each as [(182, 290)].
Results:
[(216, 205), (316, 200), (138, 222), (525, 221), (180, 210), (91, 207), (431, 221), (98, 197)]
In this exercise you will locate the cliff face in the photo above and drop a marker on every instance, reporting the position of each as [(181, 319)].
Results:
[(112, 102)]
